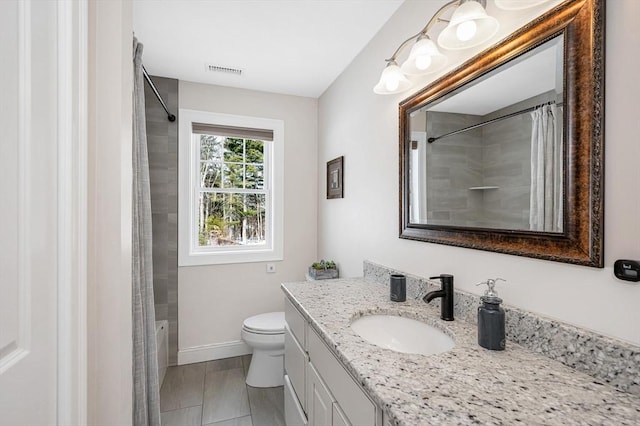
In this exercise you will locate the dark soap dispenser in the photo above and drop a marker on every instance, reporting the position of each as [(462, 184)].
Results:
[(491, 329)]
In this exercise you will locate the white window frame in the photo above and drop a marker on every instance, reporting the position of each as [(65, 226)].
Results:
[(189, 253)]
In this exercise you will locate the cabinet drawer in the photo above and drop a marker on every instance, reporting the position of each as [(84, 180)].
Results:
[(296, 322), (295, 362), (293, 414), (353, 401)]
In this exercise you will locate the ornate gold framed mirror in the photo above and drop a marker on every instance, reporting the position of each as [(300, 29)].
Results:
[(505, 153)]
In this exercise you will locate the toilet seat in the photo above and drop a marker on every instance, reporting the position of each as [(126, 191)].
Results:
[(269, 323)]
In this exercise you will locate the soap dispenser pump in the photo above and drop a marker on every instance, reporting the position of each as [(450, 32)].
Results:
[(491, 318)]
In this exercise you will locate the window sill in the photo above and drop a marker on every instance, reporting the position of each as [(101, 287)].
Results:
[(224, 258)]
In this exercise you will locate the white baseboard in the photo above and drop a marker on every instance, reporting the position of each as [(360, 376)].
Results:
[(214, 351)]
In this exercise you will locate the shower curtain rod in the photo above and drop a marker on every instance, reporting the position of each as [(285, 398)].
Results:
[(484, 123), (170, 116)]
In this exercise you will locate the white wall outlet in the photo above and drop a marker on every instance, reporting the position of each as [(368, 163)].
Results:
[(271, 268)]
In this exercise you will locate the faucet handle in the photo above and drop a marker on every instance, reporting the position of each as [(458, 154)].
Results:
[(445, 279), (442, 277)]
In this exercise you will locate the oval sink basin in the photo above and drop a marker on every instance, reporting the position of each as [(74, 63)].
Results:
[(401, 334)]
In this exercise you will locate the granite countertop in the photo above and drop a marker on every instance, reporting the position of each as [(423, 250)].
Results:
[(468, 384)]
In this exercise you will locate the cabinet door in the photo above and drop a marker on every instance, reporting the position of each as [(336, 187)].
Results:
[(338, 417), (319, 400), (353, 401)]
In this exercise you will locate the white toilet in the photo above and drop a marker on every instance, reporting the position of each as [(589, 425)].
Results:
[(265, 334)]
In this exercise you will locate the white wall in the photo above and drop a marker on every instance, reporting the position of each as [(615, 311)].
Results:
[(213, 301), (109, 210), (364, 225)]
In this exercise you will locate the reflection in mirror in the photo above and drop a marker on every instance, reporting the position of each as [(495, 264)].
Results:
[(490, 154), (476, 184)]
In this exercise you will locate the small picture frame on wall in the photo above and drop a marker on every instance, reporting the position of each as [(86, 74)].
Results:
[(335, 178)]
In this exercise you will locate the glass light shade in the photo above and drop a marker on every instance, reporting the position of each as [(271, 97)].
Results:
[(466, 30), (518, 4), (459, 33), (424, 58), (392, 81)]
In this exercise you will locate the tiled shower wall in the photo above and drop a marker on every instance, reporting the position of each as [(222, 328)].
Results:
[(162, 141), (495, 155), (454, 164)]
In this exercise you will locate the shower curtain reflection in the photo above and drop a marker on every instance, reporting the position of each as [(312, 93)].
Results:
[(545, 213)]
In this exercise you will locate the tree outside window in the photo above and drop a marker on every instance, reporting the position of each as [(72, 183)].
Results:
[(232, 196)]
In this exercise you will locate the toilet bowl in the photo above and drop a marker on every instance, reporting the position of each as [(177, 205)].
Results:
[(264, 333)]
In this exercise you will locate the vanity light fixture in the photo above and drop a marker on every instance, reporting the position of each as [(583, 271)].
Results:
[(424, 57), (392, 80), (469, 26)]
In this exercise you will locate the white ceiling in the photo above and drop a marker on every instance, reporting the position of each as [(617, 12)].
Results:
[(295, 47)]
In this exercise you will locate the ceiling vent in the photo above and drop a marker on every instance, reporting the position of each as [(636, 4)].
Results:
[(227, 70)]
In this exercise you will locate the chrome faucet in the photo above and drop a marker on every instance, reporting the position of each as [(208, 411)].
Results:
[(446, 295)]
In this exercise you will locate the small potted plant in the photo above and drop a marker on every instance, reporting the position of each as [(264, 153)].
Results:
[(323, 270)]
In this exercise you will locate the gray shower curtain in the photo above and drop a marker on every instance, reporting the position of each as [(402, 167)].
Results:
[(545, 211), (146, 390)]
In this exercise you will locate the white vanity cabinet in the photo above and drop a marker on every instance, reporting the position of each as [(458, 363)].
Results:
[(295, 366), (318, 390)]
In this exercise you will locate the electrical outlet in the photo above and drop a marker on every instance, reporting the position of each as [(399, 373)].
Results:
[(271, 268)]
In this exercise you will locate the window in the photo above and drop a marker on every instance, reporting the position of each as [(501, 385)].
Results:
[(230, 189)]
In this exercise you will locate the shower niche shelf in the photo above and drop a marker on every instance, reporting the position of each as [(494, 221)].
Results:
[(482, 188)]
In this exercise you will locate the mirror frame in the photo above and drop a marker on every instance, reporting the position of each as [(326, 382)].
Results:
[(582, 239)]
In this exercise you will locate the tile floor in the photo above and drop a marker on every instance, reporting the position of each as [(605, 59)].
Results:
[(214, 393)]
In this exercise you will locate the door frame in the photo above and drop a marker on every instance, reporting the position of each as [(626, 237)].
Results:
[(72, 122)]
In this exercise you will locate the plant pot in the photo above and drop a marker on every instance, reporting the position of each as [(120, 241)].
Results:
[(323, 274)]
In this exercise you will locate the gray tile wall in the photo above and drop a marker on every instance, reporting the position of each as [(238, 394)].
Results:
[(162, 141), (453, 165), (497, 154), (506, 162)]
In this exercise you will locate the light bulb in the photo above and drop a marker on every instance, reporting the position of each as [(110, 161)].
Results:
[(424, 58), (392, 84), (392, 80), (466, 30), (423, 62)]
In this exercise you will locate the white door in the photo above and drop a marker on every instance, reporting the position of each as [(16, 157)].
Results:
[(34, 279)]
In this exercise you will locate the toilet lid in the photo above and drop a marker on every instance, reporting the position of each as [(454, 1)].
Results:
[(272, 323)]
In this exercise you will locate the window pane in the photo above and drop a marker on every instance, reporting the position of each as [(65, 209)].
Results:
[(231, 219), (211, 147), (234, 175), (243, 165), (210, 174), (234, 150), (254, 175), (255, 151)]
